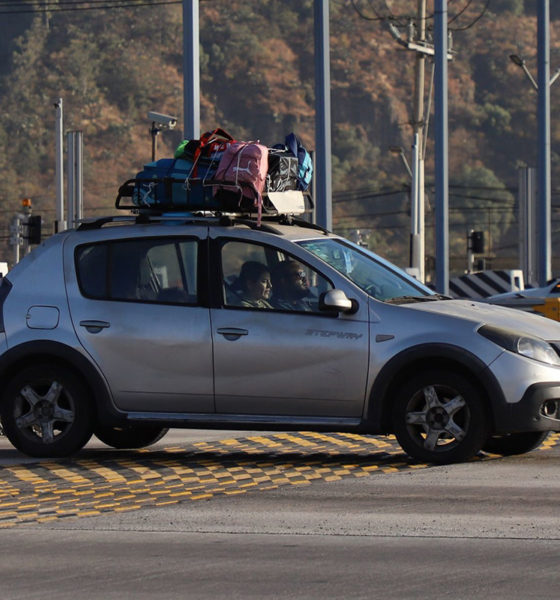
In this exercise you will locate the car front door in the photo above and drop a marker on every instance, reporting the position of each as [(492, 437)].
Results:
[(136, 310), (290, 358)]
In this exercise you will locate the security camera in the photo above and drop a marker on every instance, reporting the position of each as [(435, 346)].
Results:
[(164, 120)]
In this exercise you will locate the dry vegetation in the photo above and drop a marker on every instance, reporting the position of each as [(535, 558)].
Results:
[(257, 70)]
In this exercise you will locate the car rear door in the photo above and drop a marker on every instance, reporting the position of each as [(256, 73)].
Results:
[(136, 309)]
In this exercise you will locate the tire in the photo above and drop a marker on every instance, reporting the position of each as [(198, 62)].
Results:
[(438, 417), (515, 443), (47, 411), (131, 436)]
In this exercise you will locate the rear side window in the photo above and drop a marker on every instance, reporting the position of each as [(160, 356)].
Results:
[(147, 270), (92, 270)]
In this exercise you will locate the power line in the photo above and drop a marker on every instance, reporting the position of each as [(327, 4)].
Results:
[(364, 16), (365, 194), (79, 5), (475, 20), (44, 3), (403, 19)]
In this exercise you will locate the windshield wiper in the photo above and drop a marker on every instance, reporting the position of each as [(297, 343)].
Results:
[(409, 299)]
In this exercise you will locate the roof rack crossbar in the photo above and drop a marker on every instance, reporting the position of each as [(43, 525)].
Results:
[(98, 223), (253, 225), (303, 223)]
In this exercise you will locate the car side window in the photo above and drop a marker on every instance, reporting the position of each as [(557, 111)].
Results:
[(263, 277), (146, 270)]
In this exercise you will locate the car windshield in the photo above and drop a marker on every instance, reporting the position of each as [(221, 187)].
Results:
[(372, 274)]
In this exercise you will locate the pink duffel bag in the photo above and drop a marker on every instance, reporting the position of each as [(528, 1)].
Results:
[(241, 175)]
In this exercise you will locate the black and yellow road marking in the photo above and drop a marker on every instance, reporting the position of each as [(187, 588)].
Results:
[(97, 482)]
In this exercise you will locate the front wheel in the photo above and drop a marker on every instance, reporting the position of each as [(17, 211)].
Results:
[(515, 443), (47, 412), (438, 417), (130, 436)]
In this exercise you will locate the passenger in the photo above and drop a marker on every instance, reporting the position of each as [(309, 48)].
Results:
[(290, 286), (254, 285)]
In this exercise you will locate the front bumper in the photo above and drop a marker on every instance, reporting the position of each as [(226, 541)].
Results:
[(538, 410), (531, 394)]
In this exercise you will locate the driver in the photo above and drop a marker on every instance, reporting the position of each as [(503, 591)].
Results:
[(290, 287)]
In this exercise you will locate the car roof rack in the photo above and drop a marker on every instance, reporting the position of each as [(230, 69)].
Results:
[(188, 218), (139, 219)]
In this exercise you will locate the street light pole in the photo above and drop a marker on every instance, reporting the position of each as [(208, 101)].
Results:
[(323, 167), (441, 143), (191, 70), (520, 62), (543, 190), (400, 152), (543, 114)]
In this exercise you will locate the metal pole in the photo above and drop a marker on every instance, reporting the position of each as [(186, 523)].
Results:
[(323, 177), (470, 254), (70, 177), (26, 248), (16, 236), (421, 222), (528, 248), (415, 259), (418, 258), (59, 170), (543, 190), (441, 144), (191, 70), (79, 179), (154, 131), (74, 140)]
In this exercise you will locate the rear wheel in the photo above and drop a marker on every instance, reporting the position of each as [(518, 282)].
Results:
[(515, 443), (130, 436), (47, 412), (438, 417)]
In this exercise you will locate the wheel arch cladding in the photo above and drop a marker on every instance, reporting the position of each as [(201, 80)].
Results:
[(49, 352), (427, 357)]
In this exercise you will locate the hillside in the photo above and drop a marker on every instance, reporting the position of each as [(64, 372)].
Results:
[(112, 66)]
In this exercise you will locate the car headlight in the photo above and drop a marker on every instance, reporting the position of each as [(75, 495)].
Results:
[(528, 346)]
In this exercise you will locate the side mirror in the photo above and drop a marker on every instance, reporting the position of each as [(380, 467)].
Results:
[(337, 300)]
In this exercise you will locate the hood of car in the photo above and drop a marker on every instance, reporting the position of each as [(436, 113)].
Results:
[(538, 292), (499, 316)]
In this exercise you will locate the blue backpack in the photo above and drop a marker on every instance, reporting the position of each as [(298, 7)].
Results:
[(305, 164)]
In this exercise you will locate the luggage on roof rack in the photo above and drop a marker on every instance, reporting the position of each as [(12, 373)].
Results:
[(217, 174), (290, 202), (172, 182)]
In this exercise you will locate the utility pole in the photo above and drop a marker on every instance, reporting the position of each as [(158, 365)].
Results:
[(442, 146), (415, 40), (417, 245)]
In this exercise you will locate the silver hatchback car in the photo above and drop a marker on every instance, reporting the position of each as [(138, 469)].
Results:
[(127, 326)]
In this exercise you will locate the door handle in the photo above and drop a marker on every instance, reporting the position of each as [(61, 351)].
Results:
[(232, 333), (94, 326)]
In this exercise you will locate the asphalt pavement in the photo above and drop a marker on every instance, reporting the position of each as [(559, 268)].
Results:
[(398, 530)]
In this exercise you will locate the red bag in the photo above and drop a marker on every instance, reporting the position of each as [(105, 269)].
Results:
[(242, 169), (211, 144)]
